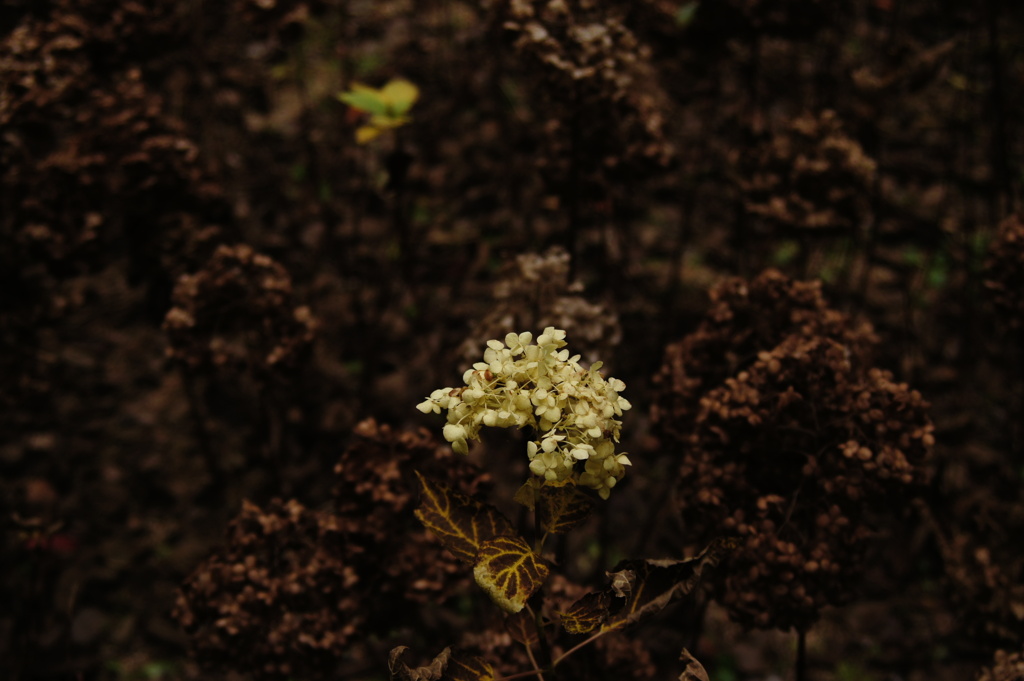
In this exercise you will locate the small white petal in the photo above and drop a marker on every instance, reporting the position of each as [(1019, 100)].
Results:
[(453, 432)]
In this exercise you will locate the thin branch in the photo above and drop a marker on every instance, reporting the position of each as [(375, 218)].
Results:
[(533, 661), (521, 675), (801, 655), (579, 646), (545, 647)]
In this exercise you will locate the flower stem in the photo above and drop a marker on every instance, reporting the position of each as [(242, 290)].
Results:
[(545, 647), (539, 535), (801, 655)]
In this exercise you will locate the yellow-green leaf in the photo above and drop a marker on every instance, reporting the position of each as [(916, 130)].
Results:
[(392, 101), (461, 523), (389, 122), (509, 571), (366, 99), (367, 133), (399, 95), (563, 508)]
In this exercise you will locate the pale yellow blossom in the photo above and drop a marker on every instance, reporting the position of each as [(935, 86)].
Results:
[(572, 410)]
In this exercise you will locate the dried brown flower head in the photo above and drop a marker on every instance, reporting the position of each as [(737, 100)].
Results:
[(1004, 271), (376, 490), (293, 591), (594, 78), (91, 162), (745, 318), (283, 596), (1005, 667), (810, 175), (535, 292), (796, 449), (984, 569), (238, 312)]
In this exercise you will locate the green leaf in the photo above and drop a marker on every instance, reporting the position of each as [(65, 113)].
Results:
[(461, 523), (938, 273), (686, 13), (509, 571), (563, 508), (786, 253), (366, 99)]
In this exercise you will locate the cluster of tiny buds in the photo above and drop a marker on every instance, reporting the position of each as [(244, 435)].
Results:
[(572, 409)]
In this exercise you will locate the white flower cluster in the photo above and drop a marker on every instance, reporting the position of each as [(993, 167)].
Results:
[(572, 409)]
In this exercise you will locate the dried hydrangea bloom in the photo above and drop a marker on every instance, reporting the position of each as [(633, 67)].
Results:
[(572, 410), (535, 290), (797, 455), (746, 317), (281, 599), (1005, 667), (978, 538), (587, 49), (1004, 271), (790, 440), (238, 311), (810, 175), (375, 489)]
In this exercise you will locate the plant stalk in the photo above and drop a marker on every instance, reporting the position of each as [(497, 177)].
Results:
[(801, 655)]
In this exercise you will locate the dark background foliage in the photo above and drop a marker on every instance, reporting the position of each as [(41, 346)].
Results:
[(207, 288)]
